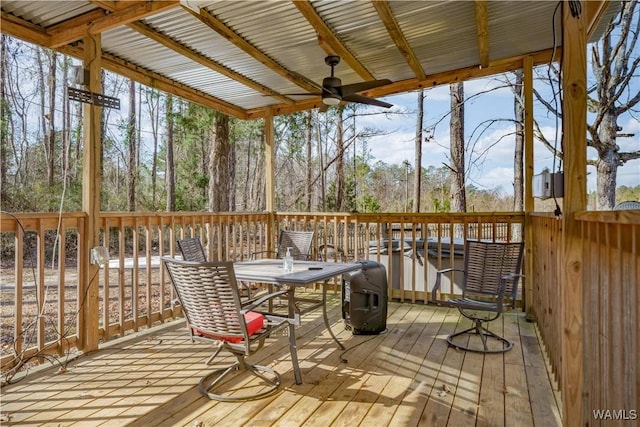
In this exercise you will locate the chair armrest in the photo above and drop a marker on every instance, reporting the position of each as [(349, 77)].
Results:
[(446, 270), (436, 286), (258, 302)]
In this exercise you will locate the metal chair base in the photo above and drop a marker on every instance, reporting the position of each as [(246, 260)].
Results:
[(209, 382), (484, 334)]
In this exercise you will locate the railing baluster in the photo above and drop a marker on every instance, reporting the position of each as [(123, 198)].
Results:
[(234, 236)]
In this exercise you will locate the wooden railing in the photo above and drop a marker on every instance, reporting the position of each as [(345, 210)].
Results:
[(611, 314), (611, 305), (39, 287), (40, 295), (139, 240), (411, 246), (546, 258)]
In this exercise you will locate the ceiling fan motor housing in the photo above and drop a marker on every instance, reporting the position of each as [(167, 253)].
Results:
[(332, 85), (333, 92)]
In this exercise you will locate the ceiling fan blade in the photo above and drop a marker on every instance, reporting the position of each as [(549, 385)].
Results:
[(359, 87), (366, 100), (301, 94)]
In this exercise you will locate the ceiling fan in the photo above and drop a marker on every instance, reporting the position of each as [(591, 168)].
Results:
[(333, 92)]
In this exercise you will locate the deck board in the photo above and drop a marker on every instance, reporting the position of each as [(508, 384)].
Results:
[(405, 376)]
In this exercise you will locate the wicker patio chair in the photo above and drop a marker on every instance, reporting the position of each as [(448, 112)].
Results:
[(192, 250), (490, 283), (628, 205), (211, 304), (300, 243)]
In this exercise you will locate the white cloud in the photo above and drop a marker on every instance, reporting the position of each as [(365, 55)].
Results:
[(393, 148), (496, 169), (497, 177)]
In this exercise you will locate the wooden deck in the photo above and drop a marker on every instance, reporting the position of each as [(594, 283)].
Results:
[(407, 376)]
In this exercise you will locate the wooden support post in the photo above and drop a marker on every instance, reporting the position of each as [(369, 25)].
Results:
[(527, 66), (89, 278), (574, 129)]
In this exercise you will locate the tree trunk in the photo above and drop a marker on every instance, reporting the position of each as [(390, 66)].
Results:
[(44, 127), (5, 117), (131, 136), (153, 104), (418, 152), (139, 127), (220, 148), (66, 123), (170, 167), (518, 161), (248, 178), (615, 64), (257, 188), (232, 173), (323, 177), (50, 134), (77, 133), (308, 160), (340, 181), (607, 163), (458, 195)]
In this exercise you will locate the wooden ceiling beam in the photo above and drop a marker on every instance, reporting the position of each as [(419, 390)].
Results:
[(463, 74), (69, 33), (78, 21), (482, 29), (219, 27), (393, 28), (23, 30), (113, 6), (432, 80), (593, 14), (157, 81), (195, 56), (327, 36)]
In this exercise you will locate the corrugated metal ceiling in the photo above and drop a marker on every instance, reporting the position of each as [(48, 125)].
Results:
[(442, 35)]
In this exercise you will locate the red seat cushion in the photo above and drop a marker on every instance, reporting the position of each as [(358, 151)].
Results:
[(255, 322)]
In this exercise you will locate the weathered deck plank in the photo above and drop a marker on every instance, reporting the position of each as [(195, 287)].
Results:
[(406, 376)]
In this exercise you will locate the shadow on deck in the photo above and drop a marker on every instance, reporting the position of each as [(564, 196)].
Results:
[(406, 376)]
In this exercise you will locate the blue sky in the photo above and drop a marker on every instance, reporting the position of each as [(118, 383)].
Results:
[(496, 171)]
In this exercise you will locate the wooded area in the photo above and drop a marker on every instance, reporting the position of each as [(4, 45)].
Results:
[(322, 158), (163, 153)]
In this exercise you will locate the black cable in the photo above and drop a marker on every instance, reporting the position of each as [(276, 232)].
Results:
[(575, 7), (557, 212)]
